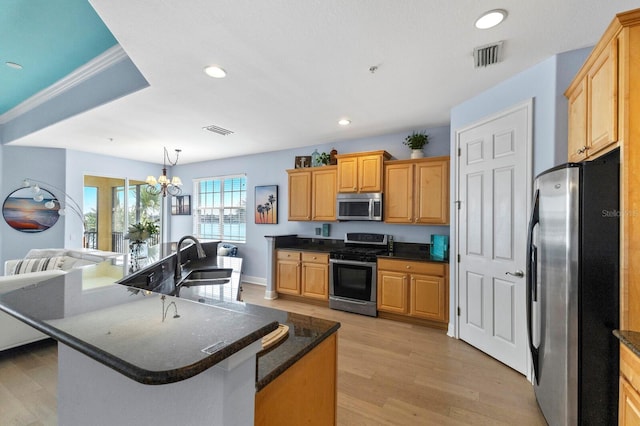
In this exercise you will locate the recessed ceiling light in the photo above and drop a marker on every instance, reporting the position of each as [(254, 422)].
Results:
[(13, 65), (344, 122), (215, 71), (491, 18)]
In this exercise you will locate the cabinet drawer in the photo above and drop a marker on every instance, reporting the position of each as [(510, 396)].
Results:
[(288, 255), (315, 257), (425, 268)]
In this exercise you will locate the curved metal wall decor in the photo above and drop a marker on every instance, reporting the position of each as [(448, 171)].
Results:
[(28, 213)]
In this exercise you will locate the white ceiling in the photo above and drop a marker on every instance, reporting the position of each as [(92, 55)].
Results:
[(295, 67)]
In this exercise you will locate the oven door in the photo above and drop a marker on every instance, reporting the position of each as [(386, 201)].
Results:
[(353, 280)]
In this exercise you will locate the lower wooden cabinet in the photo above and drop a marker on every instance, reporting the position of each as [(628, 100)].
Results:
[(315, 275), (629, 397), (629, 404), (305, 394), (393, 292), (303, 274), (414, 289), (288, 272)]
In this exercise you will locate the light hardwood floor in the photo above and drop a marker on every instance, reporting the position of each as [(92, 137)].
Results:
[(389, 373)]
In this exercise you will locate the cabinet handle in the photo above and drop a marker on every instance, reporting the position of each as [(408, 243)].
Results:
[(408, 266), (314, 258), (583, 150)]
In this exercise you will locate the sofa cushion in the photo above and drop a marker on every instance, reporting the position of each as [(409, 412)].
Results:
[(25, 266)]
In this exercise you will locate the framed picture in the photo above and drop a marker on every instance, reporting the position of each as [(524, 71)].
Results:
[(266, 210), (26, 214), (302, 161), (181, 205)]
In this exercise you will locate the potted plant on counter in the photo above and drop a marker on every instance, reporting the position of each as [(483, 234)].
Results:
[(138, 234), (416, 141)]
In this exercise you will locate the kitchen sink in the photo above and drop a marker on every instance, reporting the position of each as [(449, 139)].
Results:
[(214, 276)]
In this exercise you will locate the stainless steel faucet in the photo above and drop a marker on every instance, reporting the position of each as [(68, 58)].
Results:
[(201, 254)]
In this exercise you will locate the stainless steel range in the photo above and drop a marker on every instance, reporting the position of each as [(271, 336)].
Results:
[(352, 273)]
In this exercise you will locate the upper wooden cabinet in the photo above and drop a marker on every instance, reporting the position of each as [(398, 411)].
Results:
[(299, 194), (361, 172), (593, 105), (312, 194), (417, 191), (323, 187), (606, 92)]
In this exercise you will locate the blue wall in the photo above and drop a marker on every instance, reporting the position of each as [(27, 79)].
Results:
[(36, 163), (270, 169), (545, 83), (64, 169)]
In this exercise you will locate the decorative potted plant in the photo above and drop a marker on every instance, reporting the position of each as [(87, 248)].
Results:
[(416, 141), (138, 235), (324, 159)]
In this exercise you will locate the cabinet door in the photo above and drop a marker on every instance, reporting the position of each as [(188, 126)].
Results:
[(578, 123), (315, 281), (370, 173), (288, 276), (629, 400), (393, 292), (602, 88), (428, 298), (432, 189), (348, 174), (324, 194), (300, 195), (398, 193)]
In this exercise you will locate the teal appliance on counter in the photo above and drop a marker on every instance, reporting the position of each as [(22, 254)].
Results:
[(439, 248)]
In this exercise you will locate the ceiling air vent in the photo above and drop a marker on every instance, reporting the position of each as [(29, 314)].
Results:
[(487, 55), (218, 130)]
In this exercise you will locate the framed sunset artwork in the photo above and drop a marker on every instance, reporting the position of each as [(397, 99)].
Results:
[(266, 210)]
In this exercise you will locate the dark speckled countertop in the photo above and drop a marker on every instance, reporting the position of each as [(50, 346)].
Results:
[(305, 333), (137, 333), (149, 337), (404, 251), (631, 339)]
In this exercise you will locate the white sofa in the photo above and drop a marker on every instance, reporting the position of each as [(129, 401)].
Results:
[(51, 259), (37, 266)]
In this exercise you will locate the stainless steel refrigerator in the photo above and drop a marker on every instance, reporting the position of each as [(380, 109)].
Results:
[(573, 291)]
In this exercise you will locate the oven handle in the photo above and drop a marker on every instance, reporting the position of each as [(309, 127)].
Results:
[(352, 262), (344, 299)]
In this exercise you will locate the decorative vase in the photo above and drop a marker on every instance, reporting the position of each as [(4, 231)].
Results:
[(139, 250), (417, 153)]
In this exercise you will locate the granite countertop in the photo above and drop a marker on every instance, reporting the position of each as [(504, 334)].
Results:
[(631, 339), (149, 337), (404, 251), (305, 333), (133, 330)]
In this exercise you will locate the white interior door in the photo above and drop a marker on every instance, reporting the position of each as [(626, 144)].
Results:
[(494, 191)]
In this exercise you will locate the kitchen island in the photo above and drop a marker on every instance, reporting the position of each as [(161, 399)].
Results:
[(132, 356)]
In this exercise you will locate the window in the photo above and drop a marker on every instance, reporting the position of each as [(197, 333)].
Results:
[(219, 208)]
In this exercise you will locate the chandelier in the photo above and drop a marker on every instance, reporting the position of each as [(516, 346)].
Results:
[(163, 185)]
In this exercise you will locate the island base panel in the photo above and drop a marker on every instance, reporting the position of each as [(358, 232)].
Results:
[(89, 393)]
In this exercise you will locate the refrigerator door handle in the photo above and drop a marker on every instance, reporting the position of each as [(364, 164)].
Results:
[(532, 280)]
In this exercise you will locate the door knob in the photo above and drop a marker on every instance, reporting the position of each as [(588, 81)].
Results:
[(517, 273)]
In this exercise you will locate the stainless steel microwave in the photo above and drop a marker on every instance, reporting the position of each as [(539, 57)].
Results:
[(359, 206)]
